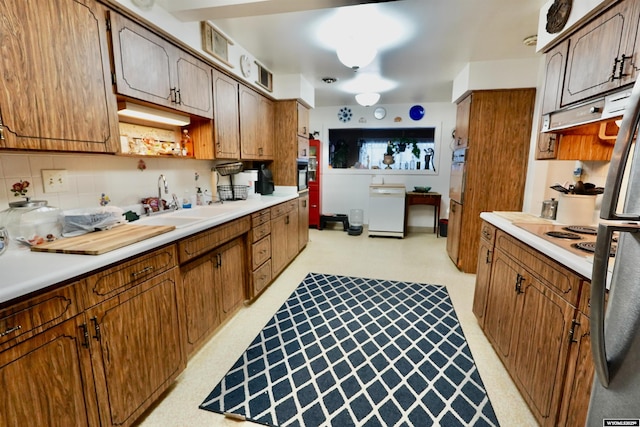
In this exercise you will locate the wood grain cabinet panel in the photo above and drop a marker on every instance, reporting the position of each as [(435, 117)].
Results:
[(214, 288), (226, 117), (499, 139), (594, 62), (284, 235), (48, 381), (256, 125), (261, 247), (149, 68), (56, 84), (137, 350), (261, 252), (192, 247), (303, 221), (483, 274), (289, 116)]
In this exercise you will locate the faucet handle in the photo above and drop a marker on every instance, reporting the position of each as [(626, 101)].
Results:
[(174, 204)]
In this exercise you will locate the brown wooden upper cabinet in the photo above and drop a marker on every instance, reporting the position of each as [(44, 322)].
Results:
[(303, 121), (256, 125), (149, 68), (463, 112), (57, 96), (227, 127), (602, 55)]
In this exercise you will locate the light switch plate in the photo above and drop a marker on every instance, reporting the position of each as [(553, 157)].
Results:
[(55, 180)]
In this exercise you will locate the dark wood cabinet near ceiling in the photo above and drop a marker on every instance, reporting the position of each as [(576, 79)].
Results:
[(498, 133), (56, 83), (151, 69)]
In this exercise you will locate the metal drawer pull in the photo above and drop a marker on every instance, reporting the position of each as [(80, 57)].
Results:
[(85, 335), (141, 272), (96, 327), (10, 330)]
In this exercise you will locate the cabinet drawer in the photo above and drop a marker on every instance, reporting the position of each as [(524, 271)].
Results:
[(260, 252), (283, 208), (110, 282), (261, 277), (556, 277), (260, 231), (207, 240), (37, 314), (488, 233), (261, 217)]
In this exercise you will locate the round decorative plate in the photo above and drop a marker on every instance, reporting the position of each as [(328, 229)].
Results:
[(416, 112), (345, 114), (558, 15), (379, 113)]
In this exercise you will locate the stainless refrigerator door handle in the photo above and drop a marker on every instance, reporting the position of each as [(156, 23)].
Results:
[(619, 158), (598, 291)]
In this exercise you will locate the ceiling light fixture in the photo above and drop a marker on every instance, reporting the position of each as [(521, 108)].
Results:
[(356, 56), (128, 109), (329, 80), (367, 99)]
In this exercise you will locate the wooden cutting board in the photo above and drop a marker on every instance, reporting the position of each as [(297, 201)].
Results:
[(99, 242)]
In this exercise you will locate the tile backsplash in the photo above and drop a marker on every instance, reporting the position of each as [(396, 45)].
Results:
[(91, 175)]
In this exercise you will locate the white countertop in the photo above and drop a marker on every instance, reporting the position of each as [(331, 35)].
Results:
[(24, 271), (579, 264)]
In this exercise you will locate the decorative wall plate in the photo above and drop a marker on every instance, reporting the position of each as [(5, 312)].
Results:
[(344, 115), (416, 112), (379, 113), (558, 15)]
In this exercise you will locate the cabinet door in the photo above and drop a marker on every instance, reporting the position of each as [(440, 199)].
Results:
[(547, 146), (554, 67), (56, 83), (580, 370), (594, 52), (453, 231), (463, 115), (303, 121), (249, 123), (194, 84), (483, 277), (230, 276), (293, 244), (314, 206), (47, 380), (201, 297), (137, 351), (226, 117), (540, 346), (500, 316), (143, 62), (303, 222), (266, 126)]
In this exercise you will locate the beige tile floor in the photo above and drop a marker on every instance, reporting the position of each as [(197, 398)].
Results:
[(419, 257)]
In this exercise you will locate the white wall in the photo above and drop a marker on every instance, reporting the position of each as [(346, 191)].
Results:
[(346, 189)]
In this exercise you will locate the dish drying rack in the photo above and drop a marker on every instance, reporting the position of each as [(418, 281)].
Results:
[(231, 192)]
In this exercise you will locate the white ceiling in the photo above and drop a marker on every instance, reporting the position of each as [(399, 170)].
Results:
[(444, 36)]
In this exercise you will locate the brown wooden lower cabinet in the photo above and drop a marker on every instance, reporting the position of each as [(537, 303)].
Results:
[(47, 380), (532, 318), (214, 288), (284, 235), (102, 350)]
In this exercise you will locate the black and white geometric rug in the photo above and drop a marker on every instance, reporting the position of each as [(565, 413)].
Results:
[(349, 351)]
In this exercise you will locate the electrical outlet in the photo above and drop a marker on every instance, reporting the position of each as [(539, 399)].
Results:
[(55, 180)]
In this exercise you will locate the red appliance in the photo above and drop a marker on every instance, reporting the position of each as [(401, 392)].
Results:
[(314, 180)]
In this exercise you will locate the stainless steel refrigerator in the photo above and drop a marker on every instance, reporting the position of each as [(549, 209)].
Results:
[(615, 333)]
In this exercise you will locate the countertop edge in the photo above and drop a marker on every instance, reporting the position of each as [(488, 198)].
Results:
[(582, 265), (25, 272)]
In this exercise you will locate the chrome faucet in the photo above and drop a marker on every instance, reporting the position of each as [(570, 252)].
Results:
[(162, 180)]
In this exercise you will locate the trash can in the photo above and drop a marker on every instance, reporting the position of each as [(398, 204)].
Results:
[(356, 219), (444, 223)]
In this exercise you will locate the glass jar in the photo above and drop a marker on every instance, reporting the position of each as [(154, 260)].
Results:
[(32, 220)]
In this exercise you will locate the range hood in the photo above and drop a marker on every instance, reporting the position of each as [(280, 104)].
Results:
[(599, 110)]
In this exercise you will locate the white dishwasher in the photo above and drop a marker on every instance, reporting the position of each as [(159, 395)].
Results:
[(386, 210)]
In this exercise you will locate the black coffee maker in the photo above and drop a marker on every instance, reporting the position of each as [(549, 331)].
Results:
[(265, 184)]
